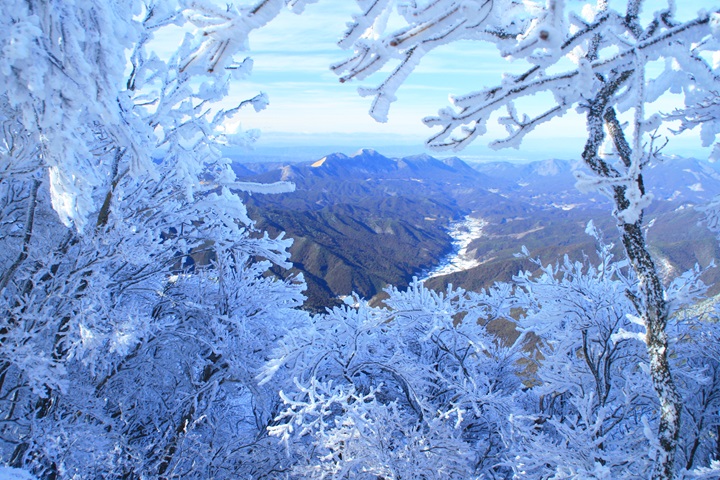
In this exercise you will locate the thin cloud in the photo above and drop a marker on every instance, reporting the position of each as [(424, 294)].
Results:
[(292, 57)]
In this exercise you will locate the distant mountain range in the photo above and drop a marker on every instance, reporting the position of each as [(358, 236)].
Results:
[(364, 221)]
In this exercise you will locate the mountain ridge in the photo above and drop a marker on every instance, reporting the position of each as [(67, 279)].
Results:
[(363, 221)]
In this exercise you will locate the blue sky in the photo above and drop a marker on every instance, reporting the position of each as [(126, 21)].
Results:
[(310, 109)]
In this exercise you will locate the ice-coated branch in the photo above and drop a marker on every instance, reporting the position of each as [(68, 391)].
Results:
[(460, 127), (704, 113), (429, 25), (608, 52), (29, 222), (170, 292), (72, 70), (607, 41)]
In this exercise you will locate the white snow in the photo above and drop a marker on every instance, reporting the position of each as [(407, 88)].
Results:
[(9, 473), (675, 195), (462, 232)]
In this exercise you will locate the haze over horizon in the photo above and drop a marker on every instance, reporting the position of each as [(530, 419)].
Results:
[(274, 146)]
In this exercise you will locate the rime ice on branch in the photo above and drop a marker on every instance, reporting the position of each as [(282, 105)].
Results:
[(135, 309), (594, 59)]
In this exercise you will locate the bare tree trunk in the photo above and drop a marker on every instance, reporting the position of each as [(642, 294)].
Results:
[(27, 236), (651, 306), (655, 316), (213, 366)]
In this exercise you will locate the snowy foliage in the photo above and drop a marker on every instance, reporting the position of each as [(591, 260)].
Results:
[(136, 309), (595, 415), (594, 393), (600, 60), (142, 335), (417, 388), (8, 473), (82, 80)]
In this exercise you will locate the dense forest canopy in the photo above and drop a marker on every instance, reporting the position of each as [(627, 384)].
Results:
[(122, 357)]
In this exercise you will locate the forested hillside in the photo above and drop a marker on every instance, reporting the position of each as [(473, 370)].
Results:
[(363, 222)]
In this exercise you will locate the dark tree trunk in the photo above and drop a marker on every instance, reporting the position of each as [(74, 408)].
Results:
[(651, 305)]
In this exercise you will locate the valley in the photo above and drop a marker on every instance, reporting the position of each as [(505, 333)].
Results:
[(365, 221), (461, 258)]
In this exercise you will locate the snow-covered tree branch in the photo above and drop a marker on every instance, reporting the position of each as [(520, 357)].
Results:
[(593, 58), (416, 388), (136, 310)]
